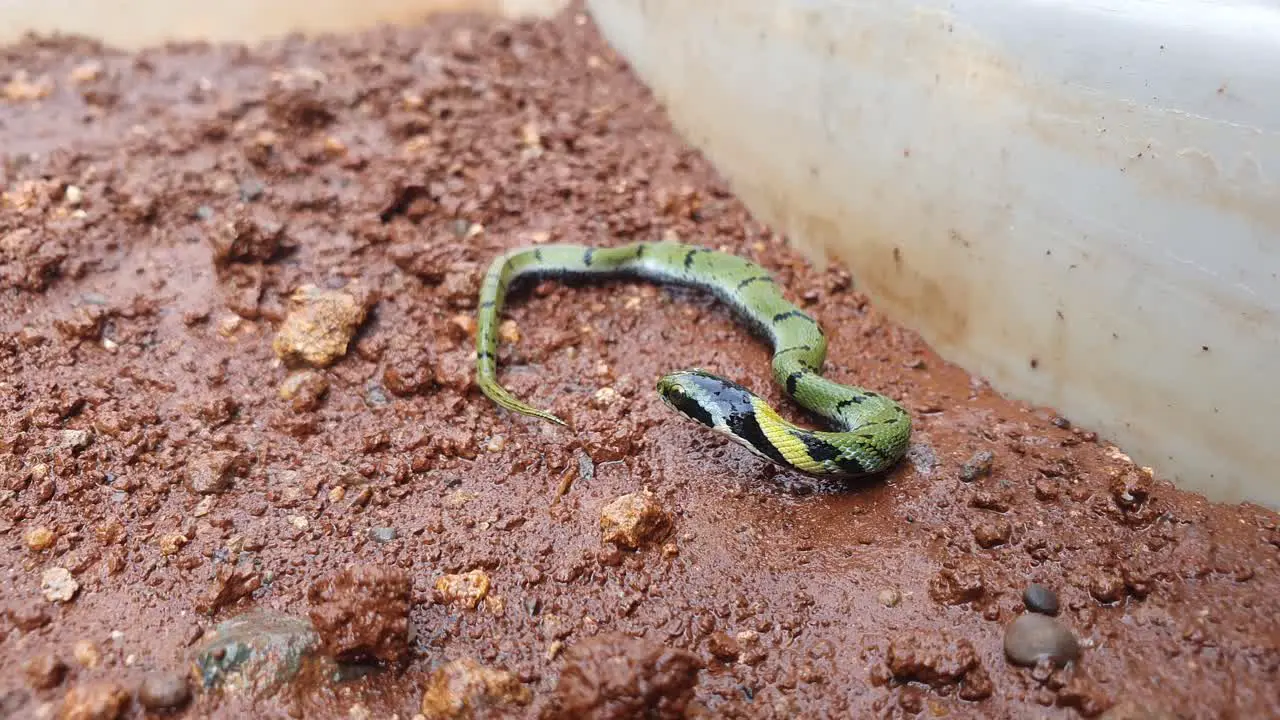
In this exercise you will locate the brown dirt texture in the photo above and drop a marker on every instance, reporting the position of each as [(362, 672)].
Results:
[(237, 288)]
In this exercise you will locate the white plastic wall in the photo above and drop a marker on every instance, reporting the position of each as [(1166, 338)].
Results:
[(1075, 199)]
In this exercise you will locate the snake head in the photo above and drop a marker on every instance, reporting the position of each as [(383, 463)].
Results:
[(702, 396)]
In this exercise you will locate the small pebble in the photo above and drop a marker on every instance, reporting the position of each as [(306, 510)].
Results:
[(460, 687), (86, 653), (723, 647), (1106, 586), (462, 326), (466, 590), (88, 72), (604, 396), (634, 519), (1032, 638), (383, 534), (991, 534), (509, 332), (171, 543), (75, 439), (39, 538), (1040, 599), (95, 701), (977, 466), (889, 597), (319, 327), (305, 390), (57, 585), (163, 690)]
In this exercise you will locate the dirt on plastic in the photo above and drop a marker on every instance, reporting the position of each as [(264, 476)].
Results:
[(236, 299)]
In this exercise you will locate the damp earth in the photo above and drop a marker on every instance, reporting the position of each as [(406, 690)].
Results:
[(243, 463)]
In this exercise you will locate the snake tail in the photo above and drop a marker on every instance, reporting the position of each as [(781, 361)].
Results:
[(870, 431)]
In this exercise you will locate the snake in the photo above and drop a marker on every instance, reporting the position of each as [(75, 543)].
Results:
[(869, 432)]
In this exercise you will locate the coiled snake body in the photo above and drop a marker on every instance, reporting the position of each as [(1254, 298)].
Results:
[(871, 430)]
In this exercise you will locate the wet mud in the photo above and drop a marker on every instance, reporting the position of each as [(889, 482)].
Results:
[(237, 289)]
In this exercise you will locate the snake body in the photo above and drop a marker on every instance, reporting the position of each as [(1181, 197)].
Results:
[(871, 430)]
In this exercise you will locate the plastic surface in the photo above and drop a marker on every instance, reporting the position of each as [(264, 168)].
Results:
[(1076, 200)]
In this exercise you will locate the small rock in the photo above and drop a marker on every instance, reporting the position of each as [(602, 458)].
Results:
[(991, 534), (509, 332), (723, 647), (911, 699), (256, 653), (39, 538), (383, 534), (164, 690), (1033, 637), (923, 457), (212, 472), (94, 701), (461, 327), (319, 327), (75, 440), (612, 675), (44, 671), (171, 543), (604, 397), (464, 688), (979, 465), (248, 236), (466, 590), (933, 658), (956, 586), (988, 500), (86, 72), (1131, 487), (889, 597), (1084, 694), (1047, 490), (230, 585), (633, 519), (363, 612), (110, 532), (1106, 586), (86, 653), (57, 585), (305, 390), (1040, 599)]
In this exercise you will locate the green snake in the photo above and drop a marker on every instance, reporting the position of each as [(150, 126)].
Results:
[(871, 430)]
